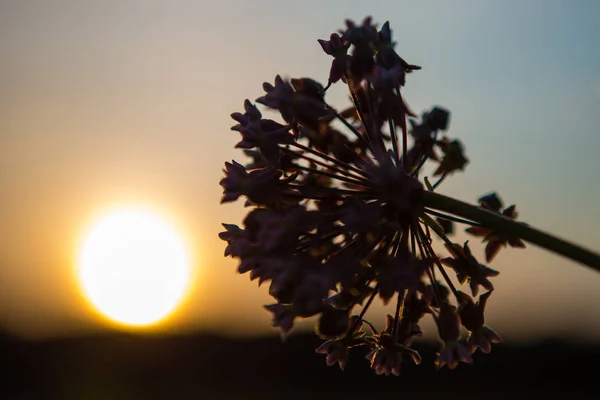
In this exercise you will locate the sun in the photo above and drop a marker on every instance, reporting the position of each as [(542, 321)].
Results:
[(133, 266)]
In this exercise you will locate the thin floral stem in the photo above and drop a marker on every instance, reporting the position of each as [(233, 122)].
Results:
[(333, 176), (412, 241), (328, 158), (429, 250), (399, 312), (404, 133), (365, 308), (416, 170), (450, 244), (431, 270), (347, 124), (374, 131), (358, 106), (428, 235), (506, 226), (452, 218), (392, 129), (328, 190), (397, 239), (439, 181), (316, 239), (376, 150), (370, 326), (323, 164)]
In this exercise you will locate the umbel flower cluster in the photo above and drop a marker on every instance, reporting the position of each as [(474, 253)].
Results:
[(339, 213)]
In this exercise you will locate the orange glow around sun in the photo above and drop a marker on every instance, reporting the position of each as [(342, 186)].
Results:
[(133, 266)]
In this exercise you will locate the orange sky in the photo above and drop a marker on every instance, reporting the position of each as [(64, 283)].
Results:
[(118, 102)]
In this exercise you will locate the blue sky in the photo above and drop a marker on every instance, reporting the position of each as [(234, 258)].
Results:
[(103, 102)]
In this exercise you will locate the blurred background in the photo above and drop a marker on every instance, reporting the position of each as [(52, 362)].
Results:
[(105, 103)]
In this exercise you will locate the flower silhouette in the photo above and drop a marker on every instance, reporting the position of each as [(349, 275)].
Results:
[(337, 212)]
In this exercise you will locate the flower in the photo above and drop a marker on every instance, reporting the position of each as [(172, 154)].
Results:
[(385, 361), (341, 60), (495, 241), (283, 317), (387, 353), (337, 349), (454, 158), (454, 350), (468, 268), (293, 105), (337, 215), (398, 273), (260, 186), (473, 318), (263, 134), (452, 353)]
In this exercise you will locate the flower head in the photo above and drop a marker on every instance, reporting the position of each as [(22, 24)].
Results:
[(338, 214)]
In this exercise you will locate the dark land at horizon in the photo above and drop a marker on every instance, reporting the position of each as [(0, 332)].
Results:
[(126, 366)]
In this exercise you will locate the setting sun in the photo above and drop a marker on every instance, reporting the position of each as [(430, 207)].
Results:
[(133, 267)]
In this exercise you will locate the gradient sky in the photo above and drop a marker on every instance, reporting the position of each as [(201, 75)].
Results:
[(111, 102)]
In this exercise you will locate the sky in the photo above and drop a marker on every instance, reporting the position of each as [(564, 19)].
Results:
[(113, 102)]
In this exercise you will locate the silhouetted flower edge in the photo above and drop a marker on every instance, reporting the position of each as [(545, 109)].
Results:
[(339, 213)]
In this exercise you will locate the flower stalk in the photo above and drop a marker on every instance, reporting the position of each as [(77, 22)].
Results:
[(507, 226), (338, 218)]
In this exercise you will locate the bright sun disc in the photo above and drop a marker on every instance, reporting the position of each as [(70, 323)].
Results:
[(133, 267)]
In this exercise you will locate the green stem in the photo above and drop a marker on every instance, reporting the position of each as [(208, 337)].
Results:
[(506, 226)]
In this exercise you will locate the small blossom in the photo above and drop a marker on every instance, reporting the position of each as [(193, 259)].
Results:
[(385, 361), (495, 241), (398, 273), (447, 225), (491, 201), (454, 350), (293, 105), (283, 317), (448, 323), (452, 353), (436, 294), (280, 230), (336, 351), (482, 338), (310, 294), (473, 318), (453, 159), (387, 354), (362, 37), (264, 134), (437, 119), (415, 309), (308, 87), (387, 79), (333, 322), (238, 243), (233, 183), (468, 268), (341, 60), (261, 186), (425, 143)]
